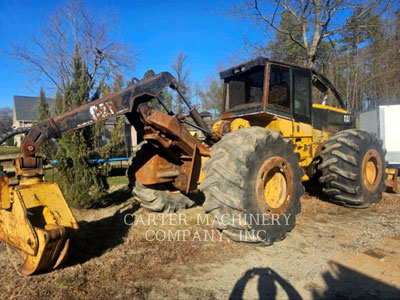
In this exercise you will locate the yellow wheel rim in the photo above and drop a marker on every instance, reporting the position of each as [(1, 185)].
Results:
[(371, 172), (371, 169), (274, 186)]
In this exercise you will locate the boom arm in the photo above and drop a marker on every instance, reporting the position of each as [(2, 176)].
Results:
[(107, 107), (35, 218)]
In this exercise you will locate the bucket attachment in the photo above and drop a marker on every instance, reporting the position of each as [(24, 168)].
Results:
[(35, 221)]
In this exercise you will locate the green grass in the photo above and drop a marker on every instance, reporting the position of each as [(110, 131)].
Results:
[(112, 180), (48, 174), (117, 180), (6, 150), (65, 281), (7, 165)]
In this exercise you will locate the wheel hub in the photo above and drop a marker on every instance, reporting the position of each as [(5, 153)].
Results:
[(274, 186), (371, 169)]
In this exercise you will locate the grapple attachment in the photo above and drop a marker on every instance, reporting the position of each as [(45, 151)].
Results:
[(36, 221)]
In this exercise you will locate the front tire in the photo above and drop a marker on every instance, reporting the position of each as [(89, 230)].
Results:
[(253, 185), (353, 168)]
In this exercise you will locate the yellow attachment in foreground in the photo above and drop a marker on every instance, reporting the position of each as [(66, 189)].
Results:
[(4, 193), (38, 225), (391, 181)]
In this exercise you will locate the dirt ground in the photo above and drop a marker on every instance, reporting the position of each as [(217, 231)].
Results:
[(333, 252)]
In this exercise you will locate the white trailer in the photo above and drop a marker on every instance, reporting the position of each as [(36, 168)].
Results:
[(384, 121)]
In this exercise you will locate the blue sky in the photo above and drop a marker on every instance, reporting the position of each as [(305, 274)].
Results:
[(157, 29)]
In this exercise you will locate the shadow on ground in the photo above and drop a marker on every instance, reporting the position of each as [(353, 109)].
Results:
[(346, 283), (97, 237), (314, 189), (341, 283), (116, 197), (266, 286)]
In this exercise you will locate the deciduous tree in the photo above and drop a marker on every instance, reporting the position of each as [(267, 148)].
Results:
[(211, 95), (305, 22), (75, 24), (182, 74)]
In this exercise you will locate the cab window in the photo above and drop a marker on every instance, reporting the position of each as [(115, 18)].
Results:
[(245, 89), (279, 88), (302, 95)]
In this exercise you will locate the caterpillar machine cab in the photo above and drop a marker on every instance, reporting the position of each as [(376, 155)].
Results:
[(250, 165)]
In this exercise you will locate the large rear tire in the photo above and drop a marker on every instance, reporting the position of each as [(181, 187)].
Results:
[(156, 198), (253, 185), (353, 168)]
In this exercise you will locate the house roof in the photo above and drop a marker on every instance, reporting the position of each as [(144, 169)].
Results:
[(26, 108)]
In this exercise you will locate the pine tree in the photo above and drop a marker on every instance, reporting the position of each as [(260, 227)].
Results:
[(153, 102), (352, 38), (165, 94), (43, 114), (59, 100), (167, 97), (117, 84), (81, 181), (382, 62), (43, 110), (148, 74), (283, 48)]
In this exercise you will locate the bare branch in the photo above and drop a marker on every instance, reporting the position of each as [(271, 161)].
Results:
[(312, 19), (260, 13), (75, 25)]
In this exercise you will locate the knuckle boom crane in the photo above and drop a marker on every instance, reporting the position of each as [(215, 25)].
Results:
[(36, 221)]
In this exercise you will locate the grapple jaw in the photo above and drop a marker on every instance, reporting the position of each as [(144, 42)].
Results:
[(36, 222)]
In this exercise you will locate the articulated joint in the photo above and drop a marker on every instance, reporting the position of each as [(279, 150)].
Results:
[(29, 169), (37, 135)]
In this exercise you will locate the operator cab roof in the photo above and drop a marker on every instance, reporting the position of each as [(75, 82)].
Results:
[(319, 81), (259, 61)]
